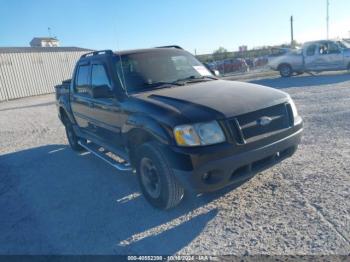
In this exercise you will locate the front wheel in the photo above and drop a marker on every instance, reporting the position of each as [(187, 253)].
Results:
[(156, 178), (285, 70)]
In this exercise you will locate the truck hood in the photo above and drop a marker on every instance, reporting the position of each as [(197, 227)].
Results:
[(214, 99)]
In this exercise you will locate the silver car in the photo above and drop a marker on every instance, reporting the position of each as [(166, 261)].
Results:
[(324, 55)]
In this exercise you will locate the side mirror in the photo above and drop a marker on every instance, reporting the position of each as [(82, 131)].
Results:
[(102, 91), (215, 72)]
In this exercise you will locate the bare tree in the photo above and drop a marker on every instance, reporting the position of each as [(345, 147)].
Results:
[(220, 54)]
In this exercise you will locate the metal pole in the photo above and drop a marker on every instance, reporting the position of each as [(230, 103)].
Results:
[(291, 31), (327, 19)]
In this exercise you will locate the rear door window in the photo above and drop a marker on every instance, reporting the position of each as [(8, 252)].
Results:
[(82, 85), (310, 51)]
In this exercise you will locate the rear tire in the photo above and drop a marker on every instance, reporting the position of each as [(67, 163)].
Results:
[(285, 70), (157, 180), (72, 137)]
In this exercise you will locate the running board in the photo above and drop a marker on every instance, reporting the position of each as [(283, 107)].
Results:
[(92, 148)]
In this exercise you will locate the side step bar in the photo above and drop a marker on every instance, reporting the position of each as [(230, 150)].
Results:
[(94, 149)]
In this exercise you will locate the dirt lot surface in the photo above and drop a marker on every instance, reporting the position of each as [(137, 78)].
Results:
[(55, 201)]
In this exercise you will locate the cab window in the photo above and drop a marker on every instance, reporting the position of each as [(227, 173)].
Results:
[(310, 51), (99, 76), (333, 48), (323, 49), (82, 80)]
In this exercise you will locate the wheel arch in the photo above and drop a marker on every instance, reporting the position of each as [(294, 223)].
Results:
[(283, 64), (64, 115), (134, 138), (140, 129)]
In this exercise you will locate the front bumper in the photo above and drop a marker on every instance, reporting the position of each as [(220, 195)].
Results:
[(215, 174)]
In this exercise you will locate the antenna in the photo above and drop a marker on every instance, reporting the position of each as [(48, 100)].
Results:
[(291, 32), (122, 69), (49, 31), (122, 79), (327, 18)]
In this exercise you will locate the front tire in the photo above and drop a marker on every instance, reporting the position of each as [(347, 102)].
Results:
[(285, 70), (157, 180)]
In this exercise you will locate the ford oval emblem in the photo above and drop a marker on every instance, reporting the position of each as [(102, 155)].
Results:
[(264, 121)]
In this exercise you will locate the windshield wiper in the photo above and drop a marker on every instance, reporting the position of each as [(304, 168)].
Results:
[(159, 85), (193, 79), (178, 82)]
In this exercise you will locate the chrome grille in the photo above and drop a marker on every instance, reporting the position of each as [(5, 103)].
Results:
[(264, 122)]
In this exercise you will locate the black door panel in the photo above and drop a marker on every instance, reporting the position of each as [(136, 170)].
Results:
[(106, 119), (105, 112), (98, 117), (80, 96)]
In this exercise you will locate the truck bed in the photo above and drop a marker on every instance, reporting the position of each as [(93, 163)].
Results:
[(63, 88)]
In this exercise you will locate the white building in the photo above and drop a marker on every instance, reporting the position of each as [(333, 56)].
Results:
[(28, 71), (45, 42)]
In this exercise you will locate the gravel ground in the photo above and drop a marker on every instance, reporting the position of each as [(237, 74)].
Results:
[(55, 201)]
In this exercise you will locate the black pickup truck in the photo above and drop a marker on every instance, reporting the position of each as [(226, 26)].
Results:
[(160, 113)]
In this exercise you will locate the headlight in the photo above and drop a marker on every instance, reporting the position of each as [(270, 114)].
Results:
[(199, 134), (294, 108)]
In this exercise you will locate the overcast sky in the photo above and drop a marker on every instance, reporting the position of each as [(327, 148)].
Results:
[(194, 24)]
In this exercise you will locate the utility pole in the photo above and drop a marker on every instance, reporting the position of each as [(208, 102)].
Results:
[(327, 19), (291, 32)]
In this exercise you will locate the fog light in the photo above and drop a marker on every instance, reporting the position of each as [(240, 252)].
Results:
[(213, 176)]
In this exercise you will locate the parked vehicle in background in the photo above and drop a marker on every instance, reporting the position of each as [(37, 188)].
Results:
[(212, 68), (228, 66), (250, 62), (232, 65), (324, 55), (261, 61), (169, 119)]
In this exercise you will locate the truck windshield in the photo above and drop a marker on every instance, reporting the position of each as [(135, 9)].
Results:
[(344, 44), (142, 71)]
